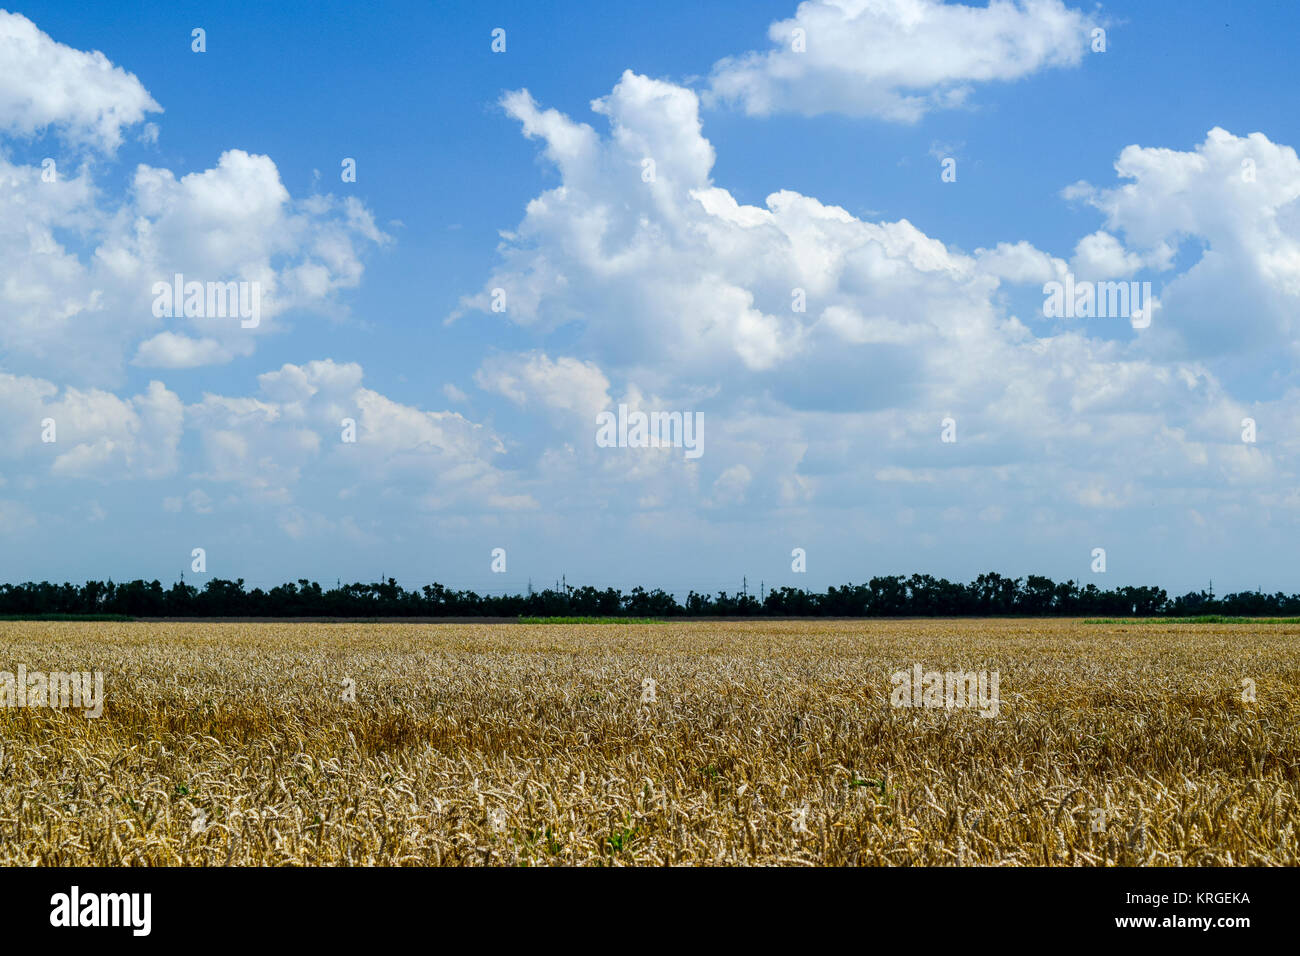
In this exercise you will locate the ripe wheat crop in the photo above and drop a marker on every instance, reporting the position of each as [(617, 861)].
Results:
[(653, 743)]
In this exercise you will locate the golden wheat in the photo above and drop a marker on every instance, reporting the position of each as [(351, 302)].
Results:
[(770, 742)]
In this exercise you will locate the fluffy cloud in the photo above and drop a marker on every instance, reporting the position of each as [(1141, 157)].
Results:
[(319, 416), (316, 418), (170, 350), (565, 384), (678, 270), (96, 434), (688, 299), (46, 85), (1231, 203), (82, 313), (79, 266), (1019, 262), (898, 59), (677, 281)]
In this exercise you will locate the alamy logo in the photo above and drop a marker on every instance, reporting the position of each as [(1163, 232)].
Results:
[(211, 300), (653, 430), (56, 689), (949, 689), (103, 909), (1102, 300)]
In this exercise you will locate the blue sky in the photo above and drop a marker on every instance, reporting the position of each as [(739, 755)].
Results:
[(822, 428)]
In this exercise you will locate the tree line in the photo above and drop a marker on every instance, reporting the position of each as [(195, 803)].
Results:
[(919, 595)]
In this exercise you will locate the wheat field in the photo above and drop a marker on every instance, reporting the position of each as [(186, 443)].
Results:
[(700, 743)]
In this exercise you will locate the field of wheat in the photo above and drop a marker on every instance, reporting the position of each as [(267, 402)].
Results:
[(654, 743)]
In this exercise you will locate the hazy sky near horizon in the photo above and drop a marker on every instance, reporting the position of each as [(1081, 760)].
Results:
[(649, 193)]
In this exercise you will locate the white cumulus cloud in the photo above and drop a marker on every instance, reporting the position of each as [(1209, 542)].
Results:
[(898, 59)]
